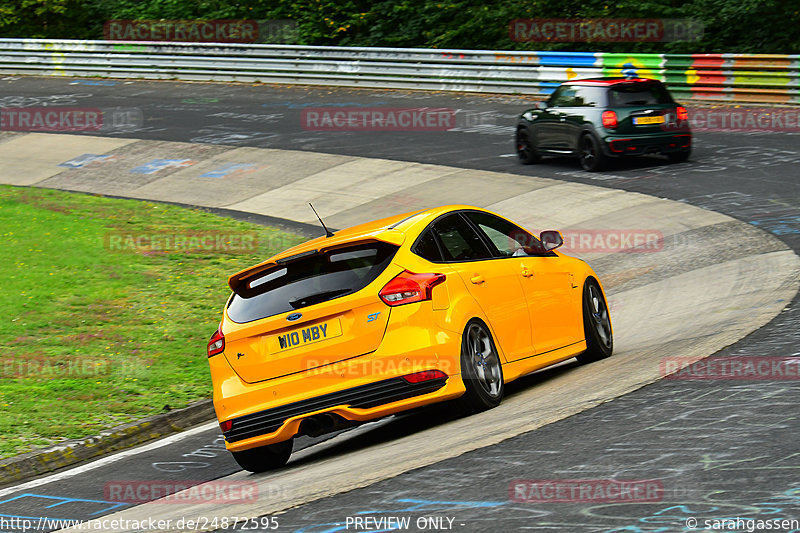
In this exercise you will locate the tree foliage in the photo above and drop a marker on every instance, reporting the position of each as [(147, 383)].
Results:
[(738, 26)]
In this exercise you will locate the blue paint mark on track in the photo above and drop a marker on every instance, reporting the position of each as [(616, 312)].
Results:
[(224, 170), (160, 164), (49, 502), (105, 83), (83, 160)]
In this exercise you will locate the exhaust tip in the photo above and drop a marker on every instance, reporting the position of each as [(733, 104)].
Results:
[(321, 424)]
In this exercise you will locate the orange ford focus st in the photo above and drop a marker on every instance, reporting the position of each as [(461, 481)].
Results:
[(447, 303)]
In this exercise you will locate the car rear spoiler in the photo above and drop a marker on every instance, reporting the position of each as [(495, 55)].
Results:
[(240, 282)]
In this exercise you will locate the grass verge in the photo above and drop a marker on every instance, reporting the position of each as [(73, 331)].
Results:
[(106, 308)]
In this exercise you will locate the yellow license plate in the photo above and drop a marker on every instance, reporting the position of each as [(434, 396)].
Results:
[(648, 120), (306, 335)]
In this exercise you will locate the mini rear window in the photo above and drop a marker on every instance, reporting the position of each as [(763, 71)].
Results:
[(310, 280), (638, 94)]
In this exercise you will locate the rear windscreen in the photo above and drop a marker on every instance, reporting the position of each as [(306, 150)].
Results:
[(309, 280), (636, 94)]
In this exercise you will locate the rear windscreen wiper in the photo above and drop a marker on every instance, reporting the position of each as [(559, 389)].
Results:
[(311, 299)]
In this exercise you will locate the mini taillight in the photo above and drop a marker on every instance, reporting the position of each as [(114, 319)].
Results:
[(408, 287), (425, 375), (609, 119), (217, 343), (682, 113), (226, 425)]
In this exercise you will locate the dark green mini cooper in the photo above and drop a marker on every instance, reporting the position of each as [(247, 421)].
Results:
[(602, 118)]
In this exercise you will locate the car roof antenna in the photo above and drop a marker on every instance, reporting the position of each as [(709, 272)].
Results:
[(328, 233)]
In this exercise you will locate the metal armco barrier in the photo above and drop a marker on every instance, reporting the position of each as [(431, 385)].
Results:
[(710, 77)]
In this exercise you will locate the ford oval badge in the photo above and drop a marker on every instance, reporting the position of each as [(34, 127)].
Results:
[(294, 316)]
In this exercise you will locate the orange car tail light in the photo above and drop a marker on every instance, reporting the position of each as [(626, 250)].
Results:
[(407, 287), (217, 343), (425, 375), (609, 119), (226, 425)]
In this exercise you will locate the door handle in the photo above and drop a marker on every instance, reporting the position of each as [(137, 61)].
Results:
[(477, 279)]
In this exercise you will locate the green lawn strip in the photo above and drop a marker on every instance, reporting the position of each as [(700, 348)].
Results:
[(99, 328)]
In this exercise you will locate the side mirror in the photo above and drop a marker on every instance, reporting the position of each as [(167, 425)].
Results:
[(541, 106), (551, 239)]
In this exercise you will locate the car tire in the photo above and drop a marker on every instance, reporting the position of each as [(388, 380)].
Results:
[(679, 157), (526, 153), (264, 458), (591, 154), (481, 369), (596, 324)]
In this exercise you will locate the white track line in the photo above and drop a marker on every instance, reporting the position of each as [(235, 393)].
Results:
[(110, 459)]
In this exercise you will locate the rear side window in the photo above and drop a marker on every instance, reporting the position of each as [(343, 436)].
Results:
[(637, 94), (427, 248), (563, 97), (589, 97), (310, 280), (459, 241)]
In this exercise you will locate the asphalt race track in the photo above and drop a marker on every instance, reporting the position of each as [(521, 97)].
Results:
[(719, 449)]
